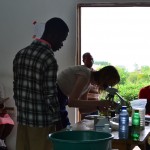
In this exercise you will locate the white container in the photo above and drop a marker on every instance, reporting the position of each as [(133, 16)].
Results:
[(140, 104)]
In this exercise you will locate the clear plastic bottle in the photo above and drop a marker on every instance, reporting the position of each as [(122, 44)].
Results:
[(135, 134), (123, 123)]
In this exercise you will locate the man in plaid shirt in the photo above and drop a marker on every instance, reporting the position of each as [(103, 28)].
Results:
[(35, 91)]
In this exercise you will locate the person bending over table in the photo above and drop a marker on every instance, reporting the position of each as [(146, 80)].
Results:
[(73, 84)]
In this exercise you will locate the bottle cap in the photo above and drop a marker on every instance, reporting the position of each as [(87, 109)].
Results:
[(124, 106), (136, 110)]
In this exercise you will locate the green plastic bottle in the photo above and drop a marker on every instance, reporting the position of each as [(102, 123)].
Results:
[(135, 134)]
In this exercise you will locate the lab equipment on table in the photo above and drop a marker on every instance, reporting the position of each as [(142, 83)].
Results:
[(110, 96)]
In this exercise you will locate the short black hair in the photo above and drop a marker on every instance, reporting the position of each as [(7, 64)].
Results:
[(55, 25), (86, 54)]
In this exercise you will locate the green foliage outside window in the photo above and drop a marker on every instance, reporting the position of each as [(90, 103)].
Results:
[(132, 82)]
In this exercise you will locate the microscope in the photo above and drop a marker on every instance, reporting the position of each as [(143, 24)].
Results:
[(110, 96)]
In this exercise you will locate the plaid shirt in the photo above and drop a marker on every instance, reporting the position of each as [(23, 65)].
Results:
[(35, 92)]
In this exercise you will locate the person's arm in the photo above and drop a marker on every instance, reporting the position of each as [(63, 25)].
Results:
[(76, 93), (49, 84), (86, 106), (93, 89), (77, 90), (85, 95)]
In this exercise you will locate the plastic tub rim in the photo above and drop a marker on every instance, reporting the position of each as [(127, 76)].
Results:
[(79, 141)]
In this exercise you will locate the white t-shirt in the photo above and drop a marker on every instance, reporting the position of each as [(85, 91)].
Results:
[(67, 78)]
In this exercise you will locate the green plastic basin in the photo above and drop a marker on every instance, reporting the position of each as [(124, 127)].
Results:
[(80, 140)]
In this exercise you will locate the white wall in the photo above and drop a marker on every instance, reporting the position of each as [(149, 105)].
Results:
[(16, 30)]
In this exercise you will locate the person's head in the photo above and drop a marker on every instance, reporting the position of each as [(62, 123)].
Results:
[(87, 60), (106, 76), (55, 32)]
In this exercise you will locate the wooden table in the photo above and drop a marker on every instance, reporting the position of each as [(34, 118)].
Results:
[(129, 144), (117, 143)]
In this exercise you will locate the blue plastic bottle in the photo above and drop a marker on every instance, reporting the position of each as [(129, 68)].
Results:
[(123, 123)]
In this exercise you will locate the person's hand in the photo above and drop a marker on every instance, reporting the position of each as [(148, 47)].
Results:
[(114, 105), (105, 105)]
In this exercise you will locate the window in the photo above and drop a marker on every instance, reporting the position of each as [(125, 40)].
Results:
[(117, 33)]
